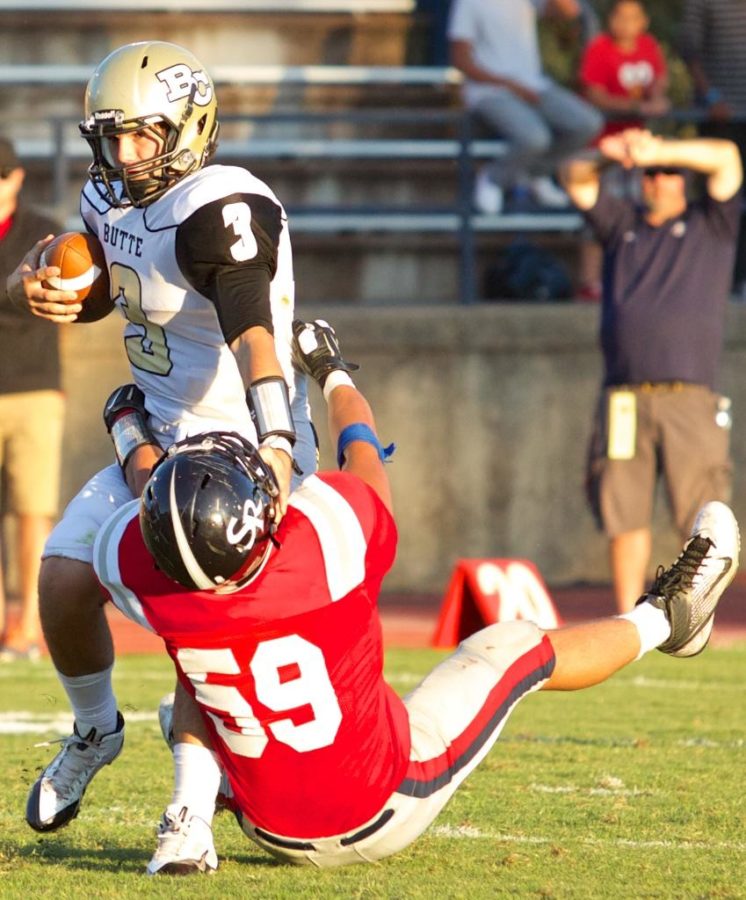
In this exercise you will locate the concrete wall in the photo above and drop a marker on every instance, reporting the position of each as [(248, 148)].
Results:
[(490, 409)]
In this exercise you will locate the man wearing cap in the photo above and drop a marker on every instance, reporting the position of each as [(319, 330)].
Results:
[(666, 282), (31, 411)]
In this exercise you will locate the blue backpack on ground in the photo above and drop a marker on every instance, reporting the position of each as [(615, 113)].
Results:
[(527, 272)]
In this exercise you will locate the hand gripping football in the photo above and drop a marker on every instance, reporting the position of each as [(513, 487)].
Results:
[(80, 258)]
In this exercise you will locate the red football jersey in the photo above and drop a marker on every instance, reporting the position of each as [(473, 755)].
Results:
[(622, 73), (288, 670)]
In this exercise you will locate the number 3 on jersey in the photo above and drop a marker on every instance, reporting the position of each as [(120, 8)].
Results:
[(238, 217), (148, 350), (308, 684)]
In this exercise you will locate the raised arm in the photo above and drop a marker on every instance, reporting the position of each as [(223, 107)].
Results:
[(352, 427), (581, 179), (717, 159), (229, 250), (267, 396)]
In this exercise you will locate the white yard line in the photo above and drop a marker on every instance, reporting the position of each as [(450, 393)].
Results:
[(471, 833), (707, 744), (24, 722), (600, 790)]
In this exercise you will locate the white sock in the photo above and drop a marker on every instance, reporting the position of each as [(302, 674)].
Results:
[(93, 701), (196, 781), (652, 626)]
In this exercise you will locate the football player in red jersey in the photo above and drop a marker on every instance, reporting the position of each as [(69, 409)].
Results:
[(277, 644), (201, 270)]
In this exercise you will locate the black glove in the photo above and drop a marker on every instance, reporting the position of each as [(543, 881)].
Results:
[(316, 350)]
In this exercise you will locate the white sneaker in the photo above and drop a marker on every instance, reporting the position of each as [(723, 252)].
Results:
[(488, 196), (548, 194), (56, 796), (185, 846), (689, 591)]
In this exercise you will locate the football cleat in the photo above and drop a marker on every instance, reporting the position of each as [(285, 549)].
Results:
[(56, 796), (690, 589), (185, 846)]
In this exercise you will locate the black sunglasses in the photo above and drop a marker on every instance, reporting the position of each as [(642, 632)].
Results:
[(5, 171), (652, 171)]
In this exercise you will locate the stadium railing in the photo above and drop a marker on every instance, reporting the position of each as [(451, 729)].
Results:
[(62, 147), (212, 6), (71, 74)]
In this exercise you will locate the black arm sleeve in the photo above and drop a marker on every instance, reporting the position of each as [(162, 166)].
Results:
[(227, 250)]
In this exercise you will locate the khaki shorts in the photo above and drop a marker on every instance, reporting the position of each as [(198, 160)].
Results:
[(643, 431), (31, 424)]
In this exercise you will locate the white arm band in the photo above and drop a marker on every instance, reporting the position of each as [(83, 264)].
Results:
[(269, 403)]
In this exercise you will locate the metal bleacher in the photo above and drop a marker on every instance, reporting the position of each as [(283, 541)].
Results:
[(337, 135), (213, 6)]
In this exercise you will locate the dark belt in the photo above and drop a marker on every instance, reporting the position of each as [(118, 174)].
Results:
[(288, 844)]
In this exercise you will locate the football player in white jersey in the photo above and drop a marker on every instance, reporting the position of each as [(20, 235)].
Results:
[(200, 265)]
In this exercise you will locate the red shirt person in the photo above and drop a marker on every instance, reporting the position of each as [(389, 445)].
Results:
[(623, 70)]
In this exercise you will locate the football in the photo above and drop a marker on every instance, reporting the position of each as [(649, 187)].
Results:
[(80, 258)]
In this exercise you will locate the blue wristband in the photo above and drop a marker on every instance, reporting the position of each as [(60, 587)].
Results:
[(358, 431)]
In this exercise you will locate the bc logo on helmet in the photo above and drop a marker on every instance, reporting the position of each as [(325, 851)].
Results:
[(181, 81)]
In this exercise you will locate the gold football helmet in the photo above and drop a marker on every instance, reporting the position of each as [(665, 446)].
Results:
[(156, 88)]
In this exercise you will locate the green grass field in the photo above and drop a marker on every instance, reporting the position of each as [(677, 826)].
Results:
[(631, 789)]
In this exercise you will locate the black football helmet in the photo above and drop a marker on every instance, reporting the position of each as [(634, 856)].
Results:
[(206, 512)]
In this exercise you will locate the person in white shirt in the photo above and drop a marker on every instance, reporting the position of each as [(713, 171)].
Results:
[(494, 43)]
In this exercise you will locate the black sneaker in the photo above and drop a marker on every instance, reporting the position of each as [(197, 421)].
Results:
[(55, 798), (690, 589)]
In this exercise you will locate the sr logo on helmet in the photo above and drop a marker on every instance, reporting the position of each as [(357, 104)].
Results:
[(253, 522)]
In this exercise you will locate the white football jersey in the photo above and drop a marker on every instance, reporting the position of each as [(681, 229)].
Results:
[(165, 261)]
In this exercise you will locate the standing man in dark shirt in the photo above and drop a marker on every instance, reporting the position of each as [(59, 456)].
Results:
[(666, 281), (31, 411)]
